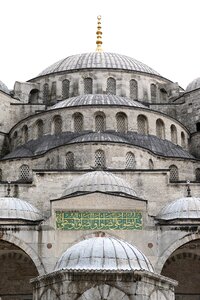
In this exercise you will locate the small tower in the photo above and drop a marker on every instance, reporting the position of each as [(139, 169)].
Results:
[(99, 35)]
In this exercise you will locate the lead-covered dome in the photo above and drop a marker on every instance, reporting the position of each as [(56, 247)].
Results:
[(16, 209), (98, 60), (181, 209), (195, 84), (99, 181), (103, 254), (4, 88)]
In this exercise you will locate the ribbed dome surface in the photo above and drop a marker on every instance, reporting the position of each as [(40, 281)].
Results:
[(17, 209), (99, 181), (97, 99), (98, 60), (103, 253), (4, 88), (195, 84), (183, 208)]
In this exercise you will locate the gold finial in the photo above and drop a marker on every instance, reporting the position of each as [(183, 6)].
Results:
[(99, 35)]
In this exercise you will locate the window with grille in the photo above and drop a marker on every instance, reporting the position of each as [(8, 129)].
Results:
[(99, 123), (142, 124), (153, 92), (173, 173), (57, 124), (25, 134), (197, 174), (53, 90), (111, 86), (130, 161), (78, 122), (183, 144), (47, 164), (88, 85), (65, 89), (121, 122), (173, 134), (133, 89), (100, 160), (24, 173), (39, 128), (160, 129), (151, 165), (46, 92), (69, 161)]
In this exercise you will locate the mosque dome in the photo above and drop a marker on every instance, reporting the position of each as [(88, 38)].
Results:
[(103, 254), (98, 60), (183, 208), (195, 84), (4, 88), (17, 209), (99, 181), (97, 99)]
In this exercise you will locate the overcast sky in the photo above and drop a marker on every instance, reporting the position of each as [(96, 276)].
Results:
[(164, 34)]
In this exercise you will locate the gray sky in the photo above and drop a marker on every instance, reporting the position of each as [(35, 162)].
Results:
[(164, 34)]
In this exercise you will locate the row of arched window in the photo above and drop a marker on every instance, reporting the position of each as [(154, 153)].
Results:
[(111, 89), (174, 174)]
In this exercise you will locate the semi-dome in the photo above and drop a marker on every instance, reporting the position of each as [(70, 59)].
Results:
[(98, 60), (103, 254), (99, 181), (195, 84), (183, 208), (4, 88), (97, 99), (16, 209)]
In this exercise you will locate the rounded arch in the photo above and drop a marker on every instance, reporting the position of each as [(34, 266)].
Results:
[(78, 122), (173, 131), (103, 291), (100, 121), (27, 249), (88, 85), (183, 141), (142, 124), (57, 124), (160, 129), (39, 128), (24, 134), (111, 86), (168, 252), (122, 122), (33, 96)]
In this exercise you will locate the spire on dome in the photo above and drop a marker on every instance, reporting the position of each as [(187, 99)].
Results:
[(99, 35)]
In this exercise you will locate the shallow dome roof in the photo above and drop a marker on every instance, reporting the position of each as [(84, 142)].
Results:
[(103, 253), (17, 209), (4, 88), (97, 99), (195, 84), (98, 60), (99, 181), (183, 208)]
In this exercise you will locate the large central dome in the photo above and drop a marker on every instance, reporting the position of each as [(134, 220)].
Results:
[(98, 60)]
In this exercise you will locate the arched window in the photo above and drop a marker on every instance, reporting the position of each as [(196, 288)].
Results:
[(88, 85), (111, 86), (39, 128), (65, 89), (46, 93), (163, 95), (69, 161), (133, 89), (1, 175), (24, 173), (47, 164), (173, 173), (130, 161), (100, 123), (57, 125), (33, 96), (53, 90), (160, 129), (197, 174), (198, 126), (24, 134), (183, 144), (100, 160), (153, 92), (173, 134), (142, 124), (121, 119), (78, 122), (151, 165), (15, 139)]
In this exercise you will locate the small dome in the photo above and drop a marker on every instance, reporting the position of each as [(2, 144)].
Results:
[(4, 88), (97, 99), (195, 84), (98, 60), (99, 181), (17, 209), (183, 208), (103, 253)]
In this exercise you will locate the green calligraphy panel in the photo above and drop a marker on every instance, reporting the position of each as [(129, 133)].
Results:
[(68, 220)]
